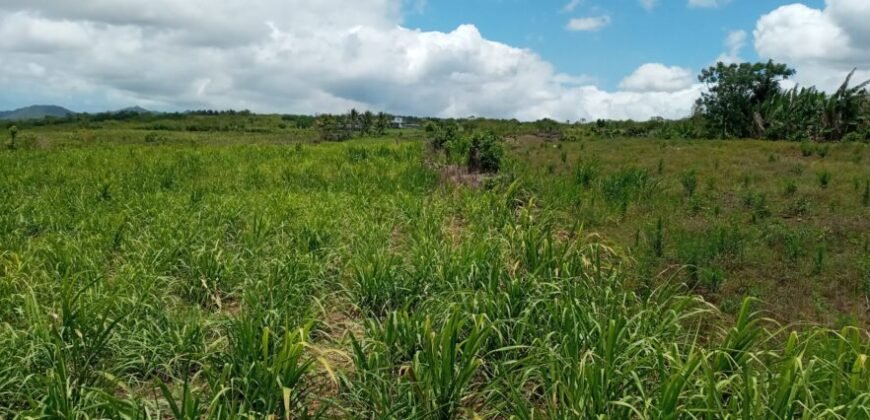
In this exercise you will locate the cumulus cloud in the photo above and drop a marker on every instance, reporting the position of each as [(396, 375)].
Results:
[(822, 44), (302, 56), (587, 24), (656, 77)]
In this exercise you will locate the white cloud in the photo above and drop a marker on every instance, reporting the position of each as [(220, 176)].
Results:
[(588, 24), (573, 4), (822, 44), (707, 3), (302, 56), (734, 44), (656, 77), (649, 4)]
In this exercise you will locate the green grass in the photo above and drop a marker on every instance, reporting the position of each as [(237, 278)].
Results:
[(701, 190), (213, 277)]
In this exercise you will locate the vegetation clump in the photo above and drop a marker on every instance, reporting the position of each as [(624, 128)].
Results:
[(484, 153), (13, 134)]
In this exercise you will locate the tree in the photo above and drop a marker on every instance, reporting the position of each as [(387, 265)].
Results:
[(736, 91), (382, 122), (13, 133), (843, 113), (367, 122), (353, 119)]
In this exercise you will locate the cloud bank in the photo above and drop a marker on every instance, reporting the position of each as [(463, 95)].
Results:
[(301, 56), (308, 56)]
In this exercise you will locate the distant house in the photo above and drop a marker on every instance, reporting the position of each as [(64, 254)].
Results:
[(398, 122)]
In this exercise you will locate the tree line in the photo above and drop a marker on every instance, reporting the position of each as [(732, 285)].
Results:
[(747, 100)]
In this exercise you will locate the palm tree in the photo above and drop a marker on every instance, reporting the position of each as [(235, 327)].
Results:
[(843, 111), (381, 123), (367, 122), (353, 120)]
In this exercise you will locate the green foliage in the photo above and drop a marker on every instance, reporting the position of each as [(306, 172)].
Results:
[(263, 278), (745, 100), (585, 173), (13, 133), (353, 124), (823, 151), (736, 91), (791, 187), (807, 148), (442, 137), (824, 178), (484, 153)]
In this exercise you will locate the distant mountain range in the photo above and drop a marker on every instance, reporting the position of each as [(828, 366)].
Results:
[(38, 112), (35, 112)]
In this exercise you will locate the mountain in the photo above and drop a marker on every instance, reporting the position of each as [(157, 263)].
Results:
[(35, 112), (135, 110)]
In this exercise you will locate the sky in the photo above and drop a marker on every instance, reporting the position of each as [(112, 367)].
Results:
[(526, 59)]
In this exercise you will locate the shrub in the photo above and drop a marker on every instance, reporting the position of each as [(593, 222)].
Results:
[(485, 153), (13, 133), (853, 137), (441, 137)]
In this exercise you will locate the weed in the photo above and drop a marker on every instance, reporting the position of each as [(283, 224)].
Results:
[(807, 148), (824, 178), (791, 187), (689, 181)]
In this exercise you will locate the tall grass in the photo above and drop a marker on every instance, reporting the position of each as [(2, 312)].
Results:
[(341, 281)]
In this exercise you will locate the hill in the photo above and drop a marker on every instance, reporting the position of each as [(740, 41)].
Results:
[(135, 110), (35, 112)]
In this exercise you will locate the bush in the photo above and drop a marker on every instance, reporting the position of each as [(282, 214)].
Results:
[(441, 137), (854, 137), (484, 153)]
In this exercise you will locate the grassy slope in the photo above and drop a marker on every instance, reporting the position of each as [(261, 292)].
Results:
[(247, 270)]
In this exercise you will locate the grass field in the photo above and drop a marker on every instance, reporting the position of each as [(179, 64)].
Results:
[(194, 275), (784, 222)]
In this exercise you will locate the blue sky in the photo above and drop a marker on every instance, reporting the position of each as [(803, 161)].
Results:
[(448, 58), (671, 33)]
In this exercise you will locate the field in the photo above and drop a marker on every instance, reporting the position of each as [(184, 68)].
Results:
[(160, 273)]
